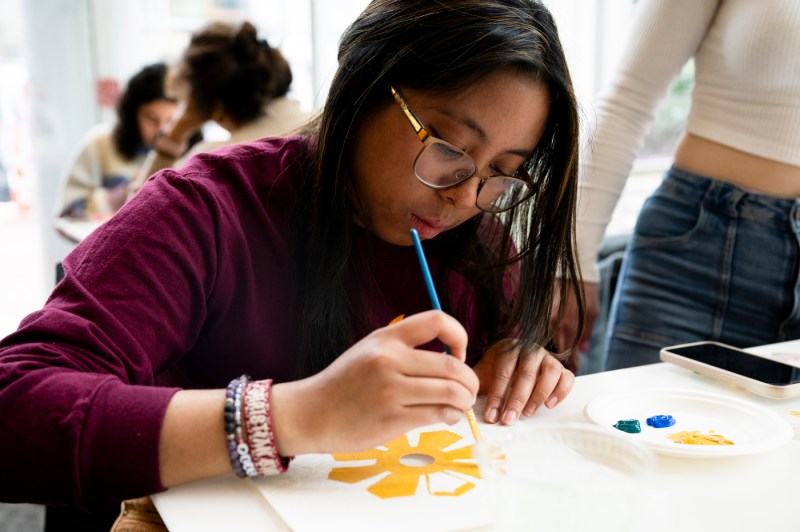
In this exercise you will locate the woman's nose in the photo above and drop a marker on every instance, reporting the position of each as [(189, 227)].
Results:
[(463, 195)]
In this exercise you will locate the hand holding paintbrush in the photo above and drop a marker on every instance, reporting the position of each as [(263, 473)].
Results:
[(426, 274)]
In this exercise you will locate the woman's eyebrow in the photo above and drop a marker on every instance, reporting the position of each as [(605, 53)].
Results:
[(478, 130)]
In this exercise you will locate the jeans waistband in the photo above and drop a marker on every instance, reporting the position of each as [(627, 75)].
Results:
[(726, 197)]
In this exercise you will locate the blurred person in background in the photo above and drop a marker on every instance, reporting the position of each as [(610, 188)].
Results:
[(95, 185), (231, 77)]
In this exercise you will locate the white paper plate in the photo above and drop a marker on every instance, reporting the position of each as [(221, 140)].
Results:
[(751, 427)]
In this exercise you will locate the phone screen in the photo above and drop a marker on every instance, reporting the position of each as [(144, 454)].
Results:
[(755, 367)]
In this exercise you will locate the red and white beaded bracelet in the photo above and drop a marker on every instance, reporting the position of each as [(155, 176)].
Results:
[(258, 422)]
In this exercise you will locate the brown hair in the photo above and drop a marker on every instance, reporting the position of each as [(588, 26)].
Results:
[(229, 65), (144, 87)]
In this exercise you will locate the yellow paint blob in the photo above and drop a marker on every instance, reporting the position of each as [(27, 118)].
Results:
[(693, 437), (402, 480)]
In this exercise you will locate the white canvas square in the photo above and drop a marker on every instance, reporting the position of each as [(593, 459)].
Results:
[(308, 500)]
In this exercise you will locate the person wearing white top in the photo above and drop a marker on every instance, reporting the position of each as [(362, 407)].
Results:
[(714, 254)]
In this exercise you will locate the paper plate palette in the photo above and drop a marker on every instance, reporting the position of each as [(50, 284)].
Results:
[(751, 427)]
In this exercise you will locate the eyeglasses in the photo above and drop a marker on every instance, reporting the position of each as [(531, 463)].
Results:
[(440, 165)]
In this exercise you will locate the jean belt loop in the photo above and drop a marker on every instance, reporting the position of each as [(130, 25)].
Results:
[(715, 196), (737, 195), (730, 197), (795, 216)]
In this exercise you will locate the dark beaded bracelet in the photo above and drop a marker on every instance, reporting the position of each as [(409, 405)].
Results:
[(233, 427), (242, 448)]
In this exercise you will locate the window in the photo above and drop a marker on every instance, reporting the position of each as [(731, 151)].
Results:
[(594, 34)]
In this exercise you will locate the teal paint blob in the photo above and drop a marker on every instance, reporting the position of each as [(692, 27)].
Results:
[(631, 426)]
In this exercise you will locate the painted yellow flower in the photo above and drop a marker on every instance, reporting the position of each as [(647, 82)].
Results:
[(402, 480)]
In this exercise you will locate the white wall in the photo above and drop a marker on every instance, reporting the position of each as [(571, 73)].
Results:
[(58, 48)]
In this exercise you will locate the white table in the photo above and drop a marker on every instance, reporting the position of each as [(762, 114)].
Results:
[(756, 492)]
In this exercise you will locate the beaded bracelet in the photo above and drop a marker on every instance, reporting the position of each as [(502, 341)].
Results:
[(258, 423), (238, 450), (230, 426), (242, 448)]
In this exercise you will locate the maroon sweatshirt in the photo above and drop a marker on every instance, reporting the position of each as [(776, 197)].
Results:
[(185, 287)]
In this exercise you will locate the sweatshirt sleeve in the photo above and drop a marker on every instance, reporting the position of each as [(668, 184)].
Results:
[(81, 411), (664, 35)]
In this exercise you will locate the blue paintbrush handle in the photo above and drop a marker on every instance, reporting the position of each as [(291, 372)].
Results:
[(426, 274)]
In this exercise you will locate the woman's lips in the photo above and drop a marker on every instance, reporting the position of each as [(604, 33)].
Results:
[(426, 228)]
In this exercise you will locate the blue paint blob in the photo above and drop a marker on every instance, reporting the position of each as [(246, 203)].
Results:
[(631, 426), (661, 421)]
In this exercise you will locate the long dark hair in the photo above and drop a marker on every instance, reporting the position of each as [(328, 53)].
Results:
[(443, 46), (144, 87)]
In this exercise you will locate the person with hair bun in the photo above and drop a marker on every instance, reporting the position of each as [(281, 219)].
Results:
[(94, 186), (230, 76)]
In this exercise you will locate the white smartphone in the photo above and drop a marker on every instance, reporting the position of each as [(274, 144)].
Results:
[(758, 374)]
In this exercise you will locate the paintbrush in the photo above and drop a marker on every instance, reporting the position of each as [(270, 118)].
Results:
[(426, 274)]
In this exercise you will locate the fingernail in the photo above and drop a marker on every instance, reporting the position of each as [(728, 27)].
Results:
[(550, 403), (491, 415), (530, 411), (510, 418)]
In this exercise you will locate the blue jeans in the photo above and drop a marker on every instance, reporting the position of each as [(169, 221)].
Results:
[(707, 261)]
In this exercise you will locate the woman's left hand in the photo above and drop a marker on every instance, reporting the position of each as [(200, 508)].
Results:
[(520, 382)]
